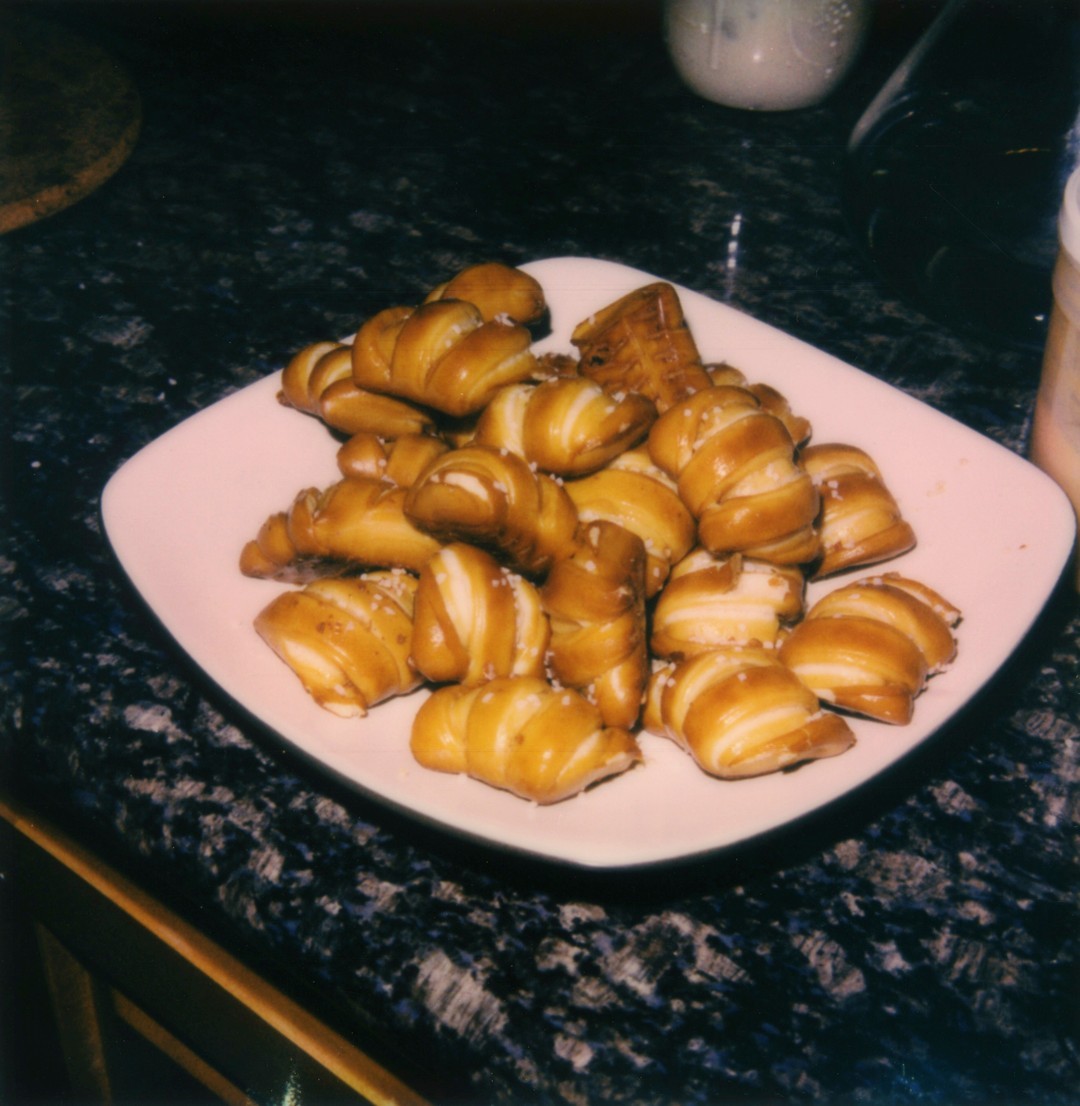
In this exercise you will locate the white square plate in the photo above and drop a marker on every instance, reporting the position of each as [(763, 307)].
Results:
[(994, 535)]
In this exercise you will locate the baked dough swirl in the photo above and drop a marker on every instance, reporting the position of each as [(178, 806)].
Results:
[(860, 521), (495, 290), (869, 647), (520, 734), (318, 380), (347, 640), (710, 601), (355, 523), (736, 470), (567, 426), (776, 403), (492, 498), (739, 712), (595, 600), (634, 492), (475, 620), (442, 355)]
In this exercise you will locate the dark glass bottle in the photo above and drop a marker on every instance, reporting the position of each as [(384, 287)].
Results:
[(954, 174)]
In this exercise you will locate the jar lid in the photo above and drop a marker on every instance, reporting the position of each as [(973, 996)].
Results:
[(1069, 219)]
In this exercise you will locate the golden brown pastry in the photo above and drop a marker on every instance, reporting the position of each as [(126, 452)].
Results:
[(495, 290), (357, 522), (710, 601), (475, 620), (736, 470), (634, 492), (860, 521), (641, 343), (595, 600), (739, 712), (492, 498), (310, 371), (869, 647), (523, 735), (318, 380), (398, 461), (567, 426), (770, 399), (348, 640), (442, 355)]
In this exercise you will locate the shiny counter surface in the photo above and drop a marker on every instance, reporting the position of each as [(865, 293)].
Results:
[(916, 943)]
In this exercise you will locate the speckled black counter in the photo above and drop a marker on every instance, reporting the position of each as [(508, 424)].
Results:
[(917, 944)]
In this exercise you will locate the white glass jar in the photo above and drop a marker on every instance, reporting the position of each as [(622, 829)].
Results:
[(764, 55), (1055, 432)]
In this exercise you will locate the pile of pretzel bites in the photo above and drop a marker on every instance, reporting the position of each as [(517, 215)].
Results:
[(569, 548)]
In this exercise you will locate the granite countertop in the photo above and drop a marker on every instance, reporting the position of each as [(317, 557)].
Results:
[(292, 177)]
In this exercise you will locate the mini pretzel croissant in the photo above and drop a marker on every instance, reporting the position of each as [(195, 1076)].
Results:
[(318, 380), (492, 498), (475, 620), (347, 640), (595, 600), (736, 470), (520, 734), (770, 399), (495, 290), (567, 426), (869, 647), (634, 492), (739, 712), (358, 521), (441, 354), (860, 521), (710, 601)]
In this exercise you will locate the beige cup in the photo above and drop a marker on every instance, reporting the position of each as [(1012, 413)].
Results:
[(1055, 433)]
